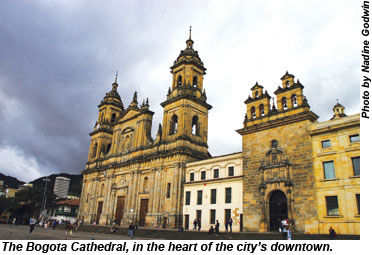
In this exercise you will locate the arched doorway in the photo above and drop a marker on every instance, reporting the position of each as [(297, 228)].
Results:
[(278, 209)]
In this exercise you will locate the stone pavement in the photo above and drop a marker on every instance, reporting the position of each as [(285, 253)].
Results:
[(195, 235), (90, 232), (21, 232)]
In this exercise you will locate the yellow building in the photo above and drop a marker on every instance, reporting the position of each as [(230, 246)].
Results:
[(131, 177), (213, 192), (336, 161), (282, 171)]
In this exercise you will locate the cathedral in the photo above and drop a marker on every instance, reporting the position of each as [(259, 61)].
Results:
[(282, 172)]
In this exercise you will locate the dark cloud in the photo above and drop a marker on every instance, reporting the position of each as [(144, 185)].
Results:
[(58, 59)]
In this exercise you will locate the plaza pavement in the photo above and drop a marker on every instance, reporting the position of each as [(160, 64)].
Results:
[(90, 232)]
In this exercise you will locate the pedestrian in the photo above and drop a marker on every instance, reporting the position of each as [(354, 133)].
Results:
[(199, 224), (284, 232), (69, 228), (54, 224), (180, 230), (195, 224), (14, 220), (226, 225), (32, 224), (114, 227), (211, 230), (230, 224), (289, 233), (131, 230), (332, 233), (217, 228)]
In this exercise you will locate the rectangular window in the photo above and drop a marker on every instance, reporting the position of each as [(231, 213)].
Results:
[(212, 216), (326, 144), (191, 177), (216, 173), (329, 170), (332, 206), (213, 196), (227, 195), (168, 190), (358, 202), (202, 175), (231, 171), (187, 198), (200, 197), (356, 165), (354, 138)]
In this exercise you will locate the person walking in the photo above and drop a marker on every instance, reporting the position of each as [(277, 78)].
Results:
[(227, 225), (180, 230), (69, 228), (131, 230), (289, 233), (32, 224), (230, 224), (199, 224), (217, 228), (195, 224)]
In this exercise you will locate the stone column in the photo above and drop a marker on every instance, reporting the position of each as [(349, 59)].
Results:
[(152, 191)]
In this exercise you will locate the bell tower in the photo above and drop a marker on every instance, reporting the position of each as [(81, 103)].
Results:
[(110, 109), (185, 120)]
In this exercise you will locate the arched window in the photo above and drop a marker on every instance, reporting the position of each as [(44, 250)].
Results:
[(195, 81), (94, 151), (179, 80), (284, 103), (195, 129), (294, 100), (108, 148), (113, 117), (287, 83), (173, 125), (261, 109), (256, 94), (253, 112)]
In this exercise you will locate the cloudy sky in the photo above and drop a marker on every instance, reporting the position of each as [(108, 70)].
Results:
[(59, 58)]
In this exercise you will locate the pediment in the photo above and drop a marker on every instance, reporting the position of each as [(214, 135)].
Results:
[(129, 113)]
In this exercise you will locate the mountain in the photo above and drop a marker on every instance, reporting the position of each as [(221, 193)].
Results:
[(75, 182), (10, 182)]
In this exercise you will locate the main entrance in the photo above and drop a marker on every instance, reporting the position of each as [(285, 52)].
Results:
[(119, 209), (143, 211), (99, 211), (278, 209)]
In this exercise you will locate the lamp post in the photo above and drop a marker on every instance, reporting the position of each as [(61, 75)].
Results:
[(43, 204)]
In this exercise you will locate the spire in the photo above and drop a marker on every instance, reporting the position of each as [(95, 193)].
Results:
[(115, 84), (189, 42), (134, 101)]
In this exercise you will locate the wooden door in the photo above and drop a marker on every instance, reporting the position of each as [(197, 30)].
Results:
[(99, 211), (143, 212), (119, 209), (187, 221)]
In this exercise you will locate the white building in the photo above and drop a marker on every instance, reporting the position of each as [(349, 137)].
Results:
[(213, 191), (61, 186)]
